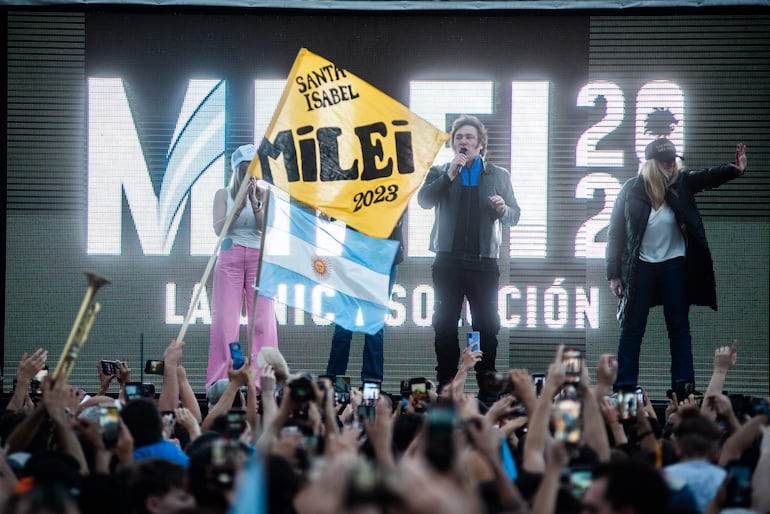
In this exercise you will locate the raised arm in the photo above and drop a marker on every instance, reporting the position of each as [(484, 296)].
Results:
[(28, 367), (539, 433), (172, 358), (725, 358)]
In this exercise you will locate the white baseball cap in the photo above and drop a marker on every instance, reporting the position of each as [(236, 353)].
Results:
[(241, 154)]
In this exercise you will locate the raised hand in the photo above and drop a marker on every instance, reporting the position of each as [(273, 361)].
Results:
[(740, 157), (725, 357)]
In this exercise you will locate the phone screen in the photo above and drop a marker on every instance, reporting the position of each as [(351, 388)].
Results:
[(133, 390), (109, 421), (568, 422), (573, 364), (539, 380), (579, 482), (371, 393), (738, 485), (109, 367), (236, 422), (153, 367), (628, 405)]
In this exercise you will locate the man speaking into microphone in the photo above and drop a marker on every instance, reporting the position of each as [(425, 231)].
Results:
[(471, 198)]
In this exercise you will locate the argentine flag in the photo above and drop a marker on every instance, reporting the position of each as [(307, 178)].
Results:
[(325, 268)]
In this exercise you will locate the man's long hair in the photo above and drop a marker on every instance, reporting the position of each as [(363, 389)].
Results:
[(471, 121), (656, 181)]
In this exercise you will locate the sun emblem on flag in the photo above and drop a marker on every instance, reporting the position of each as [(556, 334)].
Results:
[(322, 267)]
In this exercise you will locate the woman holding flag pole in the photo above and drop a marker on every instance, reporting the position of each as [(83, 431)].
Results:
[(236, 269)]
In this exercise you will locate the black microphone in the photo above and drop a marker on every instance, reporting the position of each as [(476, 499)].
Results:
[(459, 166)]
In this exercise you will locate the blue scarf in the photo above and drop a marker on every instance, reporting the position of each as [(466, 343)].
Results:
[(471, 175)]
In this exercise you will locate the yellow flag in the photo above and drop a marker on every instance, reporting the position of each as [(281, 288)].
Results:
[(342, 146)]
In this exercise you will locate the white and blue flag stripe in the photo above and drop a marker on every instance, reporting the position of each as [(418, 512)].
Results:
[(351, 269)]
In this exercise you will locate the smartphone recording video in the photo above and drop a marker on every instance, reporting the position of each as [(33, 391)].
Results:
[(109, 422), (568, 420), (418, 389), (474, 340), (579, 481), (573, 364), (440, 450), (236, 354), (539, 380), (154, 367), (738, 486), (627, 405), (110, 367), (236, 422), (341, 390), (371, 393)]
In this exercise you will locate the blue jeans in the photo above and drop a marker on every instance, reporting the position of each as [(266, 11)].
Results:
[(666, 281), (373, 365)]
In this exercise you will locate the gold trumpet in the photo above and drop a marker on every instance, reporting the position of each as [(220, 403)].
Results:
[(80, 329)]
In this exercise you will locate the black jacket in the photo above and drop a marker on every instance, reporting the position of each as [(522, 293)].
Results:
[(443, 194), (629, 221)]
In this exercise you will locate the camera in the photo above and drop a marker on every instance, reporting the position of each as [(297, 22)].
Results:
[(137, 390), (628, 404), (109, 422), (110, 367), (371, 393), (440, 437), (573, 364), (738, 485), (539, 380), (35, 390), (224, 462), (341, 390), (302, 388), (236, 423), (418, 390), (153, 367), (568, 422)]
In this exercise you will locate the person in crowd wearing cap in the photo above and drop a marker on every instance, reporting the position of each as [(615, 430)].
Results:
[(471, 198), (236, 269), (657, 253)]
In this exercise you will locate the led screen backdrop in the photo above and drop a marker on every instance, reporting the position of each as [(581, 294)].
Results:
[(110, 109)]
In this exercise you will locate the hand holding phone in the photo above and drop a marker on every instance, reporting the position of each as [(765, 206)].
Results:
[(573, 364), (236, 354), (568, 422), (110, 367), (109, 422), (474, 341)]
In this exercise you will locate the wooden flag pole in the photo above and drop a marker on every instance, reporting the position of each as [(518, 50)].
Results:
[(253, 316), (222, 234)]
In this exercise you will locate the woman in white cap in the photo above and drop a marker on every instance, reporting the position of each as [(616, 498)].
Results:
[(657, 254), (236, 269)]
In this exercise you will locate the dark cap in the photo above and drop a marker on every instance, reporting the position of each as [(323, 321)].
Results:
[(661, 149)]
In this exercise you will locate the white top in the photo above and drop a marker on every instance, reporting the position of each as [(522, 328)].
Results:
[(243, 230), (662, 240)]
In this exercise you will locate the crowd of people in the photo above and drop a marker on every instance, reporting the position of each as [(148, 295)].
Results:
[(293, 442), (579, 440)]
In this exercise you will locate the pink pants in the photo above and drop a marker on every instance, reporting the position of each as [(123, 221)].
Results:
[(234, 275)]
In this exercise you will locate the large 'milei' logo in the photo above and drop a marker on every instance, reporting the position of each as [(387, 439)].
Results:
[(196, 162)]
